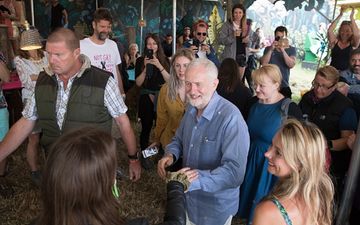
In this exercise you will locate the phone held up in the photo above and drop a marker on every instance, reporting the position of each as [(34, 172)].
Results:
[(149, 53)]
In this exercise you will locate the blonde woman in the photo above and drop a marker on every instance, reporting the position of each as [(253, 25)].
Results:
[(264, 119), (131, 55), (304, 192)]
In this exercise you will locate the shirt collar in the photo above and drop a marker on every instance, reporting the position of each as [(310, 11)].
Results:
[(86, 64), (210, 109)]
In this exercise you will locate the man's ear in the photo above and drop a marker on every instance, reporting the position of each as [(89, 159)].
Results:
[(93, 24), (216, 82), (76, 53)]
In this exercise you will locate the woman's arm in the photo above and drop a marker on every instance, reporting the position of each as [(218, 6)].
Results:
[(156, 62), (356, 33), (4, 72), (330, 33)]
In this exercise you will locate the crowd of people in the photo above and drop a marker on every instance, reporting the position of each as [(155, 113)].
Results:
[(241, 150)]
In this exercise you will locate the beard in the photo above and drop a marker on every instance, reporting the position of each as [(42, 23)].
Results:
[(103, 35), (355, 69), (199, 103)]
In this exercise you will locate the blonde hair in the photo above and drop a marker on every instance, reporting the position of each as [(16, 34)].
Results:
[(134, 45), (304, 150), (174, 82), (329, 73), (270, 70)]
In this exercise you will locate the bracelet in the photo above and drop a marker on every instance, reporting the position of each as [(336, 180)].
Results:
[(134, 157), (162, 69)]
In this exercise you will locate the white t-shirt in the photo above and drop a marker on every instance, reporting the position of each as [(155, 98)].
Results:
[(105, 56)]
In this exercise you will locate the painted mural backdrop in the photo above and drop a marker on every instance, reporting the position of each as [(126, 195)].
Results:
[(79, 14), (158, 15)]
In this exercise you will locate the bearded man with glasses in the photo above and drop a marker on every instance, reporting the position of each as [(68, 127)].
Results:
[(333, 113), (198, 44)]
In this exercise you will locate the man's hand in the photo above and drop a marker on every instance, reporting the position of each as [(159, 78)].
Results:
[(165, 161), (191, 174), (134, 170)]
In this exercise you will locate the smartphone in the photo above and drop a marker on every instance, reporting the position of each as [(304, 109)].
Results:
[(149, 53)]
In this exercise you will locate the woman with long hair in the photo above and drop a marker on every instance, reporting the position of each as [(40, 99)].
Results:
[(231, 87), (28, 65), (341, 45), (234, 35), (78, 180), (171, 102), (304, 191), (79, 183), (264, 119), (151, 72)]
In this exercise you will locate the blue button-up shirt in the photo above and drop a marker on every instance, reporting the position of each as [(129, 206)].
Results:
[(216, 144), (350, 78)]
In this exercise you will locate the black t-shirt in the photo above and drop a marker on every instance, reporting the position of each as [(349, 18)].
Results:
[(153, 79), (56, 16)]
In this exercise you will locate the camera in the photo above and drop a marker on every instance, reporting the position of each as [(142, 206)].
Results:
[(149, 53), (277, 38), (196, 43)]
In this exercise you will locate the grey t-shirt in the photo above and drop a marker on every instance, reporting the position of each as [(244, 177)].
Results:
[(277, 58)]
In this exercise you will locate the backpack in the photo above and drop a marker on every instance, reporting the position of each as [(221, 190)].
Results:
[(285, 109)]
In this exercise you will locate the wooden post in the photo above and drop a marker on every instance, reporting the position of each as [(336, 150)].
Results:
[(131, 34)]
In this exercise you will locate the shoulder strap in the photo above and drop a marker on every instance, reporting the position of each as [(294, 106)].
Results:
[(285, 109), (282, 210)]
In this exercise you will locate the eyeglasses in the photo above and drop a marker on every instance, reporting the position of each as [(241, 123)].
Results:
[(317, 85), (203, 34)]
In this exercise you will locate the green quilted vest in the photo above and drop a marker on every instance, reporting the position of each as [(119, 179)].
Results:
[(85, 106)]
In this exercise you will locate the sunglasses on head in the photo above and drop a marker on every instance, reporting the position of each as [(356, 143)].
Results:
[(203, 34)]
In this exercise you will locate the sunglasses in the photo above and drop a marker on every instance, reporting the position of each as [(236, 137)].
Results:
[(203, 34)]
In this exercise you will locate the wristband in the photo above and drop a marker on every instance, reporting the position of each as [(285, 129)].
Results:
[(162, 69), (330, 144), (134, 157)]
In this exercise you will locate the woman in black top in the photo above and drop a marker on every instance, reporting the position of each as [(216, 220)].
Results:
[(151, 71), (347, 39), (231, 87)]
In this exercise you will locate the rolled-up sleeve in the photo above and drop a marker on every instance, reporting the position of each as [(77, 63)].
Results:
[(113, 100)]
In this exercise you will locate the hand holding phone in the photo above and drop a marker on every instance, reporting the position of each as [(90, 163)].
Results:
[(149, 53)]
